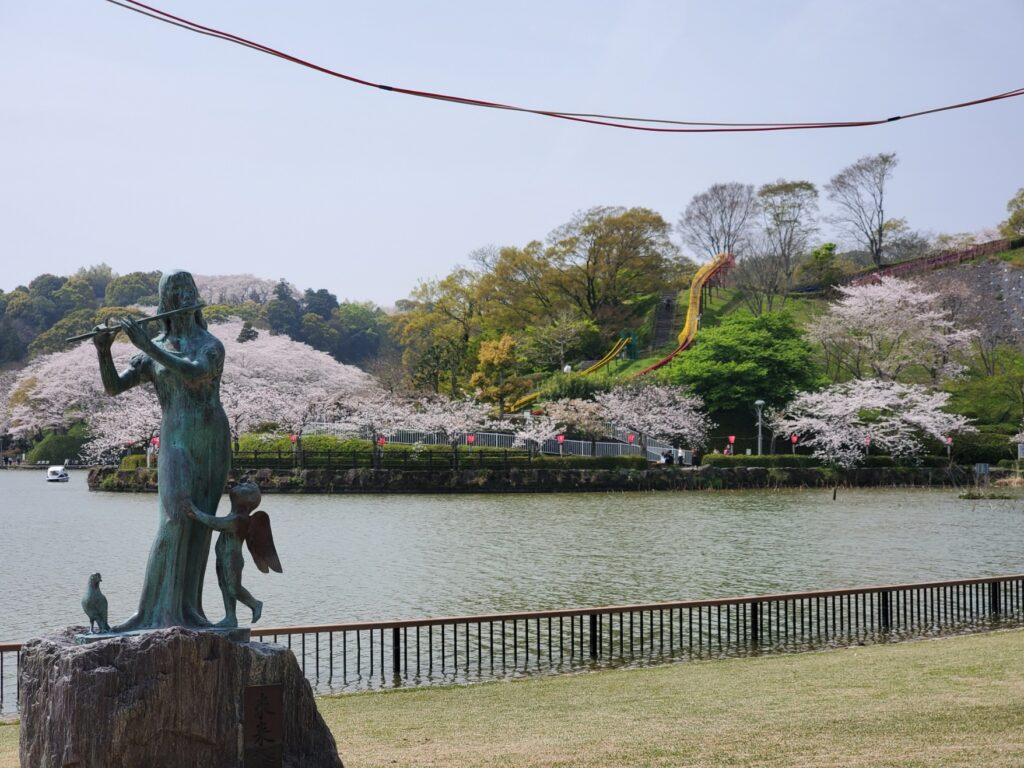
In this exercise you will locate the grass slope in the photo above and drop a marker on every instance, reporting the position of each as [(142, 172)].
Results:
[(950, 702)]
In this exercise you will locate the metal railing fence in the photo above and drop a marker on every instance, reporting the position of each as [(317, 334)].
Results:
[(458, 649)]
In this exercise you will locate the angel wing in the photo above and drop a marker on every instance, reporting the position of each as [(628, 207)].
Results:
[(261, 543)]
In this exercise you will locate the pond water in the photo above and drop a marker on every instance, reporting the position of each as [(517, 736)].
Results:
[(402, 556)]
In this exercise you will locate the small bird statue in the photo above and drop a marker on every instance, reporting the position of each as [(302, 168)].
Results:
[(94, 603)]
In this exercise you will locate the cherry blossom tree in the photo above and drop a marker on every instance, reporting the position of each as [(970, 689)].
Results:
[(235, 289), (131, 418), (843, 421), (888, 330), (6, 385), (372, 414), (271, 379), (583, 418), (659, 411), (534, 431), (450, 418), (53, 391), (276, 379)]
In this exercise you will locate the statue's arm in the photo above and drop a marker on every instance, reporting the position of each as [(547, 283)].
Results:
[(208, 361), (115, 383), (226, 523)]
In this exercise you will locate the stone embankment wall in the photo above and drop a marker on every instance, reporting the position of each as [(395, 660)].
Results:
[(657, 478)]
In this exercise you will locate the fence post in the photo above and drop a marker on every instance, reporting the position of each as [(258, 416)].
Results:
[(593, 636), (994, 603), (755, 622), (396, 650), (885, 610)]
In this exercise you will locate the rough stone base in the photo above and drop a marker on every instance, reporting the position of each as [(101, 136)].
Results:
[(165, 699)]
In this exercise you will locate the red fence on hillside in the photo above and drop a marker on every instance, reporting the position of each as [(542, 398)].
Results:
[(941, 259)]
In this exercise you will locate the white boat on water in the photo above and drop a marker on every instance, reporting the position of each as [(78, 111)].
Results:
[(57, 474)]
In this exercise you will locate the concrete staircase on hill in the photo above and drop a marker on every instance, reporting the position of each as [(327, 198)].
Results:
[(666, 326)]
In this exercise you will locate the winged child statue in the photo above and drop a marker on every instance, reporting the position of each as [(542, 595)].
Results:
[(242, 524)]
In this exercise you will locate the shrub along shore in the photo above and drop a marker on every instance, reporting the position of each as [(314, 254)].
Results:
[(551, 478)]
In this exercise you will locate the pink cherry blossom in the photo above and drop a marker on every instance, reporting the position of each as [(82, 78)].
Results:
[(843, 422)]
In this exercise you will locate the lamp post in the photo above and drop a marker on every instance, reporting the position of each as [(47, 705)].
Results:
[(759, 404), (561, 442), (793, 439), (732, 442)]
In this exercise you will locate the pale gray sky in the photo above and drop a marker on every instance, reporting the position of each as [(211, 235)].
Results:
[(130, 142)]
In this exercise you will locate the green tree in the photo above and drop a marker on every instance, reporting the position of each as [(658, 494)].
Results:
[(321, 302), (248, 333), (361, 329), (996, 398), (611, 264), (822, 268), (25, 317), (1014, 224), (496, 376), (98, 276), (747, 358), (552, 343), (133, 288), (437, 325), (72, 324), (76, 294), (515, 288), (284, 314), (318, 333)]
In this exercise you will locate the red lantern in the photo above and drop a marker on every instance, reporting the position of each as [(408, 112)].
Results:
[(470, 439), (381, 440), (793, 439), (732, 439), (155, 441), (561, 439), (630, 439), (293, 438), (949, 441)]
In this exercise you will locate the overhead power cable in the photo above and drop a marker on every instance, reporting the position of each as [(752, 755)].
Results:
[(611, 121)]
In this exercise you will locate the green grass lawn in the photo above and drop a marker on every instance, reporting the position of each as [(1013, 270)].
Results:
[(949, 702)]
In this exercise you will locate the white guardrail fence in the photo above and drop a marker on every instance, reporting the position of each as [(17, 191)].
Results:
[(623, 446)]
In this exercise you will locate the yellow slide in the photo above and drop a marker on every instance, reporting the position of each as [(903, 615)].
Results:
[(613, 353), (689, 332)]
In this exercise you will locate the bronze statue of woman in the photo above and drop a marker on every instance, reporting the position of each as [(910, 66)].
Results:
[(184, 364)]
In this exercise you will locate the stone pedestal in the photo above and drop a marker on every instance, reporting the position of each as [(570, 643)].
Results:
[(168, 698)]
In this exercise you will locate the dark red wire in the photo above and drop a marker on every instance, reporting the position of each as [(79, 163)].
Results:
[(603, 120)]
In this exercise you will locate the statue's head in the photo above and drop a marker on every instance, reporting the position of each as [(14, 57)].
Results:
[(178, 289), (245, 497)]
